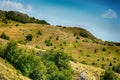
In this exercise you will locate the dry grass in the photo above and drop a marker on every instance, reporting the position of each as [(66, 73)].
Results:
[(79, 49)]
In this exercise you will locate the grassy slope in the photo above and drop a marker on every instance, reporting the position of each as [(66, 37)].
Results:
[(82, 49), (8, 72), (90, 72)]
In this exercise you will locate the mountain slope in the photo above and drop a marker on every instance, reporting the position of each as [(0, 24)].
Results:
[(77, 42), (91, 51)]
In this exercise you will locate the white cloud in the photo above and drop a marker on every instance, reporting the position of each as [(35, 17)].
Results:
[(109, 14), (15, 6)]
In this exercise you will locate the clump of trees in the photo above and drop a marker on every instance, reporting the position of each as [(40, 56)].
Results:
[(23, 18), (59, 68), (52, 65), (25, 62)]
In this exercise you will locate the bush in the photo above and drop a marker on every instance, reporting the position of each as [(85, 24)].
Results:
[(57, 38), (17, 25), (83, 62), (103, 49), (29, 37), (116, 68), (77, 37), (59, 68), (39, 33), (83, 34), (110, 64), (4, 36), (88, 55), (48, 43), (52, 65), (5, 20), (95, 51), (109, 75), (25, 62)]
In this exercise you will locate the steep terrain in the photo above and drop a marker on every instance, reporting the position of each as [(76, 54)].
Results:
[(77, 42)]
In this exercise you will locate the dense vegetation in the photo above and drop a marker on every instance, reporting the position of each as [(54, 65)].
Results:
[(51, 65), (109, 75), (116, 68), (19, 17), (57, 65)]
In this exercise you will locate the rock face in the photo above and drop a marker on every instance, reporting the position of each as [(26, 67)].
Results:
[(85, 72)]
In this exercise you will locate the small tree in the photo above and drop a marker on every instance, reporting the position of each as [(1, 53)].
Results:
[(29, 37)]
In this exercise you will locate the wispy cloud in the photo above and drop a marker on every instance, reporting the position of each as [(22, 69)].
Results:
[(109, 14), (16, 6)]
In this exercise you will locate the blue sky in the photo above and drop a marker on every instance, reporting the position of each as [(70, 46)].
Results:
[(100, 17)]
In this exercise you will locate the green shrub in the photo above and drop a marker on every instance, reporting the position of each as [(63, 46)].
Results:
[(88, 55), (29, 37), (83, 62), (17, 25), (39, 33), (109, 75), (95, 51), (117, 68), (110, 64), (52, 65), (93, 63), (4, 36), (103, 49), (5, 20), (57, 64), (83, 34), (57, 38), (48, 43), (77, 37), (25, 62)]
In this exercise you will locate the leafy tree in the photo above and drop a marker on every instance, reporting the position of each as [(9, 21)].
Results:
[(59, 68)]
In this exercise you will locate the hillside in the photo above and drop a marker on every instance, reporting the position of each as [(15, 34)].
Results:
[(8, 72), (95, 55)]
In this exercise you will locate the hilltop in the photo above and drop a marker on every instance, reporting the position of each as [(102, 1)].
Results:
[(6, 16), (84, 48)]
